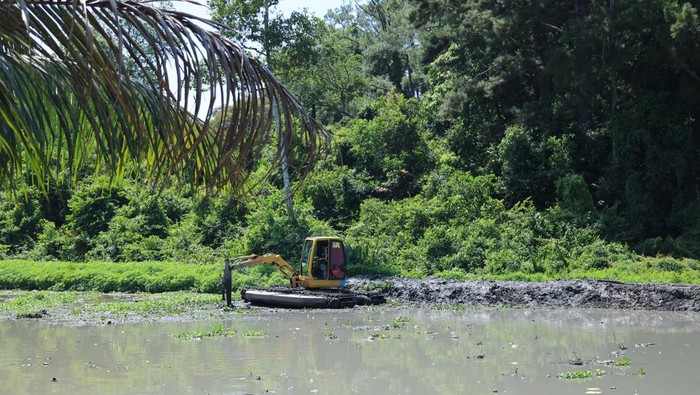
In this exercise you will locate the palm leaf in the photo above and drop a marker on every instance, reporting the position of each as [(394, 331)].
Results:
[(123, 78)]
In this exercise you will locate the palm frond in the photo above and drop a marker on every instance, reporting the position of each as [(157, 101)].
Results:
[(125, 78)]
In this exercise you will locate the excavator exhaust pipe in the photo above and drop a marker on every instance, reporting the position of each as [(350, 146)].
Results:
[(226, 283)]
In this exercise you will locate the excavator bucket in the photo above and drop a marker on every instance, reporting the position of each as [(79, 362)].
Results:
[(226, 283)]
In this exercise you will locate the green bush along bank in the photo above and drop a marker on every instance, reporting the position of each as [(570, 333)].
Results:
[(154, 277)]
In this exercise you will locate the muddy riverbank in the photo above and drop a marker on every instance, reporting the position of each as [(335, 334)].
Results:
[(94, 308), (563, 293)]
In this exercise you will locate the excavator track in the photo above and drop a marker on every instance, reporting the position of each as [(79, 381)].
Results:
[(308, 298)]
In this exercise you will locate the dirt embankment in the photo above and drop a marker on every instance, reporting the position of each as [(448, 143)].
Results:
[(562, 293)]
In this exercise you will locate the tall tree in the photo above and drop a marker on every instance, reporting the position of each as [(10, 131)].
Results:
[(390, 44), (613, 84), (65, 90), (264, 31), (330, 79)]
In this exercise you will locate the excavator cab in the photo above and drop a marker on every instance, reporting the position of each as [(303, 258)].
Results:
[(323, 258)]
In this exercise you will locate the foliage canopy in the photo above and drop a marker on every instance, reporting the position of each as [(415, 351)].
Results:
[(485, 138), (118, 80)]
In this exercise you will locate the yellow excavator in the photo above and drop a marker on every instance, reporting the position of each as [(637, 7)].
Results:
[(318, 282)]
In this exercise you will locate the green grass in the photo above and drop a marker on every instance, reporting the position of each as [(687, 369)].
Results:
[(582, 374), (252, 333), (153, 277), (640, 270), (171, 303), (400, 322), (99, 307), (22, 302), (217, 331), (623, 362), (108, 276)]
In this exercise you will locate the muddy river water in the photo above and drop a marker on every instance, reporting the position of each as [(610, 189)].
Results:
[(386, 350)]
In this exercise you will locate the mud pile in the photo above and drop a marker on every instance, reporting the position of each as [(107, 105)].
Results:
[(562, 293)]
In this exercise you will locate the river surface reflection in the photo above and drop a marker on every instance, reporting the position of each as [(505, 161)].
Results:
[(360, 351)]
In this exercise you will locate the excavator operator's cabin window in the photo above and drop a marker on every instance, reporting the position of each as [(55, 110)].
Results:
[(337, 261), (305, 253), (320, 269)]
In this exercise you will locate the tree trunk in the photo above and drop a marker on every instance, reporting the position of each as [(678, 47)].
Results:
[(283, 162), (281, 137), (613, 49), (584, 116)]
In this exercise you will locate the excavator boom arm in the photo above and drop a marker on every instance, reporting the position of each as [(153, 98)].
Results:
[(253, 260)]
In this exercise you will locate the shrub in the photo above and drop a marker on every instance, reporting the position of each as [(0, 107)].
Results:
[(389, 146), (217, 218), (184, 243), (270, 229), (599, 255), (53, 244), (93, 205), (335, 193), (522, 169), (21, 221), (574, 195)]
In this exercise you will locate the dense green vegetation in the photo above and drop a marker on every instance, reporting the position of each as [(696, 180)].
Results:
[(484, 139), (155, 277)]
